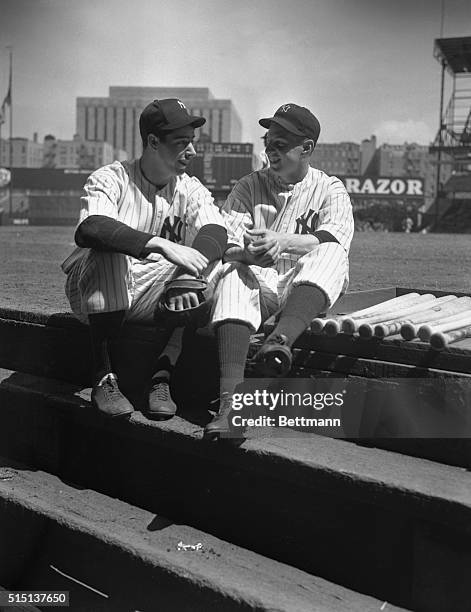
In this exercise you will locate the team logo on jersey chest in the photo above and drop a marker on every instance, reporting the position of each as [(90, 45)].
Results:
[(307, 223), (172, 230)]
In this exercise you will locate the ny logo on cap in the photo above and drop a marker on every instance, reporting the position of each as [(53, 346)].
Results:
[(285, 108), (181, 104)]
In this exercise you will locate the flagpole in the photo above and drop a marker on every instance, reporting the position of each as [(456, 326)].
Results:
[(11, 133)]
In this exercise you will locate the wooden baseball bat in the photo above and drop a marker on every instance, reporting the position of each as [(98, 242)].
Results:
[(351, 325), (410, 328), (439, 340), (317, 325), (366, 330), (456, 321), (442, 307), (332, 326)]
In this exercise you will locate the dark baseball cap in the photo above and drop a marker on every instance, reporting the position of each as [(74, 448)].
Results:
[(165, 116), (296, 119)]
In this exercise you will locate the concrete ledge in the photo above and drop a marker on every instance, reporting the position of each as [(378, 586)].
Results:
[(283, 497), (130, 557), (444, 492), (58, 346)]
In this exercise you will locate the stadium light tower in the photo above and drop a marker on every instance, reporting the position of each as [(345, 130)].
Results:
[(452, 143)]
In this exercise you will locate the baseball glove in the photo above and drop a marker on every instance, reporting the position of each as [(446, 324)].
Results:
[(196, 316)]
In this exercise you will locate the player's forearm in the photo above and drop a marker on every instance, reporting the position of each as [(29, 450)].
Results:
[(235, 253), (156, 244), (297, 244), (103, 233), (164, 247), (300, 244), (210, 241)]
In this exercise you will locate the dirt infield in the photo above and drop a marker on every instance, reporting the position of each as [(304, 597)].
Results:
[(31, 279)]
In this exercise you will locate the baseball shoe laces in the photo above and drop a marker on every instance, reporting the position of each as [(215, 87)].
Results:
[(161, 390), (161, 405)]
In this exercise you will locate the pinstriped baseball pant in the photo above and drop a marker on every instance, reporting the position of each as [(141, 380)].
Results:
[(252, 294), (106, 282)]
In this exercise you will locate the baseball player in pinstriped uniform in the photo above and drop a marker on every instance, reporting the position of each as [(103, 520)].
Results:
[(294, 226), (143, 223)]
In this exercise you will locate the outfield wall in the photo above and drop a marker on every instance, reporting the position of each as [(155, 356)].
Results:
[(53, 209)]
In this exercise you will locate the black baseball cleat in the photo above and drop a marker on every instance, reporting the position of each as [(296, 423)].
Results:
[(221, 425), (108, 399), (274, 357), (161, 405)]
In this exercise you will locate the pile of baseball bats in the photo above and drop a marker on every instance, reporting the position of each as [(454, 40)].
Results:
[(437, 320)]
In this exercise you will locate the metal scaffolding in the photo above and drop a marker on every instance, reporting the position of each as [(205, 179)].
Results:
[(452, 144)]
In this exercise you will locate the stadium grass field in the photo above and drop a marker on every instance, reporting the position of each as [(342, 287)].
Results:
[(32, 280)]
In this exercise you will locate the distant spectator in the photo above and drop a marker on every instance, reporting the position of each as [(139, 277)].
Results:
[(407, 225)]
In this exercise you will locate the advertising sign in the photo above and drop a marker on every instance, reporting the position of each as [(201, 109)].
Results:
[(385, 186)]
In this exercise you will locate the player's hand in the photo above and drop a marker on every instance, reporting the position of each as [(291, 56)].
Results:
[(181, 299), (261, 241), (256, 245), (270, 257), (188, 258), (248, 239), (265, 259), (246, 255), (178, 299)]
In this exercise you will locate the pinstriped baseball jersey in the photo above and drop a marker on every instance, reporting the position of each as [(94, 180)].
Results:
[(176, 212), (262, 200)]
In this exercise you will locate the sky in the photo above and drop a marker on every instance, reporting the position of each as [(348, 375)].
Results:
[(362, 66)]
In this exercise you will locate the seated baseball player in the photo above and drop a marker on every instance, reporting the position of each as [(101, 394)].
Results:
[(294, 226), (149, 236)]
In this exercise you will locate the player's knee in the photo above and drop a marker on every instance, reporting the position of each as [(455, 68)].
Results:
[(107, 260), (104, 268), (327, 256), (105, 278)]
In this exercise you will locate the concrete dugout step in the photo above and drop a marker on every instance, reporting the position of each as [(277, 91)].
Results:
[(112, 556), (57, 346), (395, 527)]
